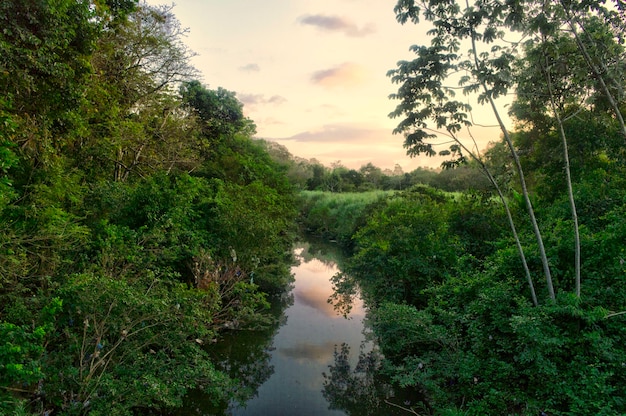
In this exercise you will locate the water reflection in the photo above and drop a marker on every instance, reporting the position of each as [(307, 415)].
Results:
[(364, 390), (304, 348), (246, 357), (303, 364)]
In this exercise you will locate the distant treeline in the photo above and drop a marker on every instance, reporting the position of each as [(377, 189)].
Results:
[(311, 175)]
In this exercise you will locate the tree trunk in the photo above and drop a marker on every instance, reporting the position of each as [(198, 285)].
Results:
[(520, 172), (568, 177), (520, 249)]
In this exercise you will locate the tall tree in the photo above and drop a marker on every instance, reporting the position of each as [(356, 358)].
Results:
[(428, 103), (135, 119), (557, 82), (592, 66), (606, 67), (220, 112)]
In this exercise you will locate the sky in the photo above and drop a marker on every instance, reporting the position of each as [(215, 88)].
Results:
[(311, 74)]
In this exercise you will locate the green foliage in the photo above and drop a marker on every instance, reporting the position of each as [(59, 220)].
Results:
[(8, 157), (492, 354), (219, 110), (337, 216), (22, 355), (473, 342), (45, 48), (117, 266), (151, 224), (405, 246), (128, 345), (166, 223), (134, 121), (23, 347), (243, 215), (465, 333)]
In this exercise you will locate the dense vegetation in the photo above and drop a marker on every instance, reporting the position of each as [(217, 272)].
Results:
[(137, 216), (138, 219), (509, 301)]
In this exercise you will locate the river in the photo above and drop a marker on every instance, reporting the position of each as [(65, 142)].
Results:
[(306, 364), (303, 348)]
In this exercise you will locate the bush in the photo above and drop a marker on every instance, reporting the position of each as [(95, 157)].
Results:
[(479, 348), (120, 346), (337, 216), (405, 247)]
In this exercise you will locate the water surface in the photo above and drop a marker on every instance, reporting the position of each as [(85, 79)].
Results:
[(303, 348)]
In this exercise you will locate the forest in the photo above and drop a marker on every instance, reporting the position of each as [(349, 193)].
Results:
[(141, 219), (133, 203)]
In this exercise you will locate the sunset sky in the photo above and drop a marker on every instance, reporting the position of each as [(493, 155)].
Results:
[(311, 74)]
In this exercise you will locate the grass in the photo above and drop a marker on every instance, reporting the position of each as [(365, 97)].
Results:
[(336, 216)]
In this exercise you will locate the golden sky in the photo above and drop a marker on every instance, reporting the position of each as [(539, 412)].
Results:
[(311, 74)]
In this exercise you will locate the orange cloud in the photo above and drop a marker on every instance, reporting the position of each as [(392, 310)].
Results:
[(347, 74)]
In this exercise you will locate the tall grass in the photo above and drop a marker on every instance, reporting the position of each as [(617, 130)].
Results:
[(336, 216)]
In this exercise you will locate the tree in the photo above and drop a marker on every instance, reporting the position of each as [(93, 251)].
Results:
[(316, 181), (372, 175), (220, 112), (606, 67), (546, 63), (44, 50), (135, 119), (429, 104), (556, 82)]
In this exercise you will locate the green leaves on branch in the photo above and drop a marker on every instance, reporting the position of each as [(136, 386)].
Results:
[(131, 344), (219, 111)]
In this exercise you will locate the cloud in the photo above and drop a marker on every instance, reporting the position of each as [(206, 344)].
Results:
[(345, 75), (250, 68), (337, 24), (355, 145), (340, 133), (257, 99), (316, 298), (276, 99)]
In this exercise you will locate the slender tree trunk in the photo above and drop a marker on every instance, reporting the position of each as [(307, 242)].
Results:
[(568, 175), (520, 172), (520, 249), (518, 244)]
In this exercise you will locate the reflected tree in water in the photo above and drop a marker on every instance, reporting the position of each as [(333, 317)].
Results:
[(246, 357), (364, 390), (345, 291)]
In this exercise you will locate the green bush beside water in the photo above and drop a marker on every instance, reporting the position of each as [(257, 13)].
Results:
[(336, 216), (452, 312)]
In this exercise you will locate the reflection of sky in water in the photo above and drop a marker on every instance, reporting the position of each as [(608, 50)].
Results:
[(305, 346)]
